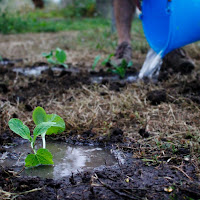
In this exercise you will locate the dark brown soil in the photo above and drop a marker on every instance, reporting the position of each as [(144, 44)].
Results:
[(157, 96), (133, 180)]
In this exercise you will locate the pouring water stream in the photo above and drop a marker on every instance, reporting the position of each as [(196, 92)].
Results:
[(152, 64)]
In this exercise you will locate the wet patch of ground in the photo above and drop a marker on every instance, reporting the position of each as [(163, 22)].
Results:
[(132, 180)]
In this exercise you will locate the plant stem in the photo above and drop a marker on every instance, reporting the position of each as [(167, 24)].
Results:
[(32, 146), (44, 142)]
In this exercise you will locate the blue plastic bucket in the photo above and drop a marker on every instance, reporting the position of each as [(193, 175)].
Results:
[(170, 24)]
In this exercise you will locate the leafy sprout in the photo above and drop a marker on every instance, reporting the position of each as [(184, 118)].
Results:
[(96, 60), (114, 68), (120, 69), (56, 57), (45, 124)]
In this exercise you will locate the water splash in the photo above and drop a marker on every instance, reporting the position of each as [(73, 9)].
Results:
[(152, 64)]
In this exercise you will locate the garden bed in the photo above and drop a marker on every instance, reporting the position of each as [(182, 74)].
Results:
[(155, 126)]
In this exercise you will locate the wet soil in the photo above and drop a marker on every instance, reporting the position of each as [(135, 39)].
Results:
[(139, 177), (133, 180)]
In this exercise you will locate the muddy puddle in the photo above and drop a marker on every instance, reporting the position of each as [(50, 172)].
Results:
[(96, 78), (114, 78), (37, 71), (67, 159), (5, 61)]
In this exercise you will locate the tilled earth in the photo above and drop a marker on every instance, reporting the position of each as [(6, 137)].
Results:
[(155, 125)]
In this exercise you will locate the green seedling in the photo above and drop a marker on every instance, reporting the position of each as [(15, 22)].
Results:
[(96, 60), (46, 124), (56, 57), (104, 62), (107, 60), (120, 69), (114, 68)]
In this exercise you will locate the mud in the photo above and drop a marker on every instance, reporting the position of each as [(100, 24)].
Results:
[(157, 96), (132, 180)]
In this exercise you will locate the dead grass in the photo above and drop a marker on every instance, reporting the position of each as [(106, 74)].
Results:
[(171, 125), (30, 47)]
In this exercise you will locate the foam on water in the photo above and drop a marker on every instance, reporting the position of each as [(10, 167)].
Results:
[(152, 64)]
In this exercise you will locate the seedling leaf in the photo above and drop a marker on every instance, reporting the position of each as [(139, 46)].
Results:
[(47, 55), (31, 161), (123, 64), (59, 124), (60, 55), (120, 71), (56, 57), (107, 60), (130, 64), (42, 128), (96, 60), (65, 66), (19, 128), (39, 115), (42, 157), (51, 61)]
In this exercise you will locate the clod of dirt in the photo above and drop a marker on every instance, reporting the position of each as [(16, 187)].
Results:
[(2, 150), (5, 138), (177, 61), (86, 177), (163, 76), (88, 134), (192, 87), (144, 133), (183, 151), (103, 93), (116, 135), (28, 107), (15, 115), (18, 98), (115, 86), (157, 96), (3, 88), (185, 68)]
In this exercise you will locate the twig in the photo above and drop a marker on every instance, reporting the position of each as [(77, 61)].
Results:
[(17, 194), (117, 192), (182, 172), (19, 171)]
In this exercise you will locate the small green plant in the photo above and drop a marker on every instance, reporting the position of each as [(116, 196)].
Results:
[(56, 57), (107, 60), (96, 60), (46, 124), (114, 68), (120, 69)]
